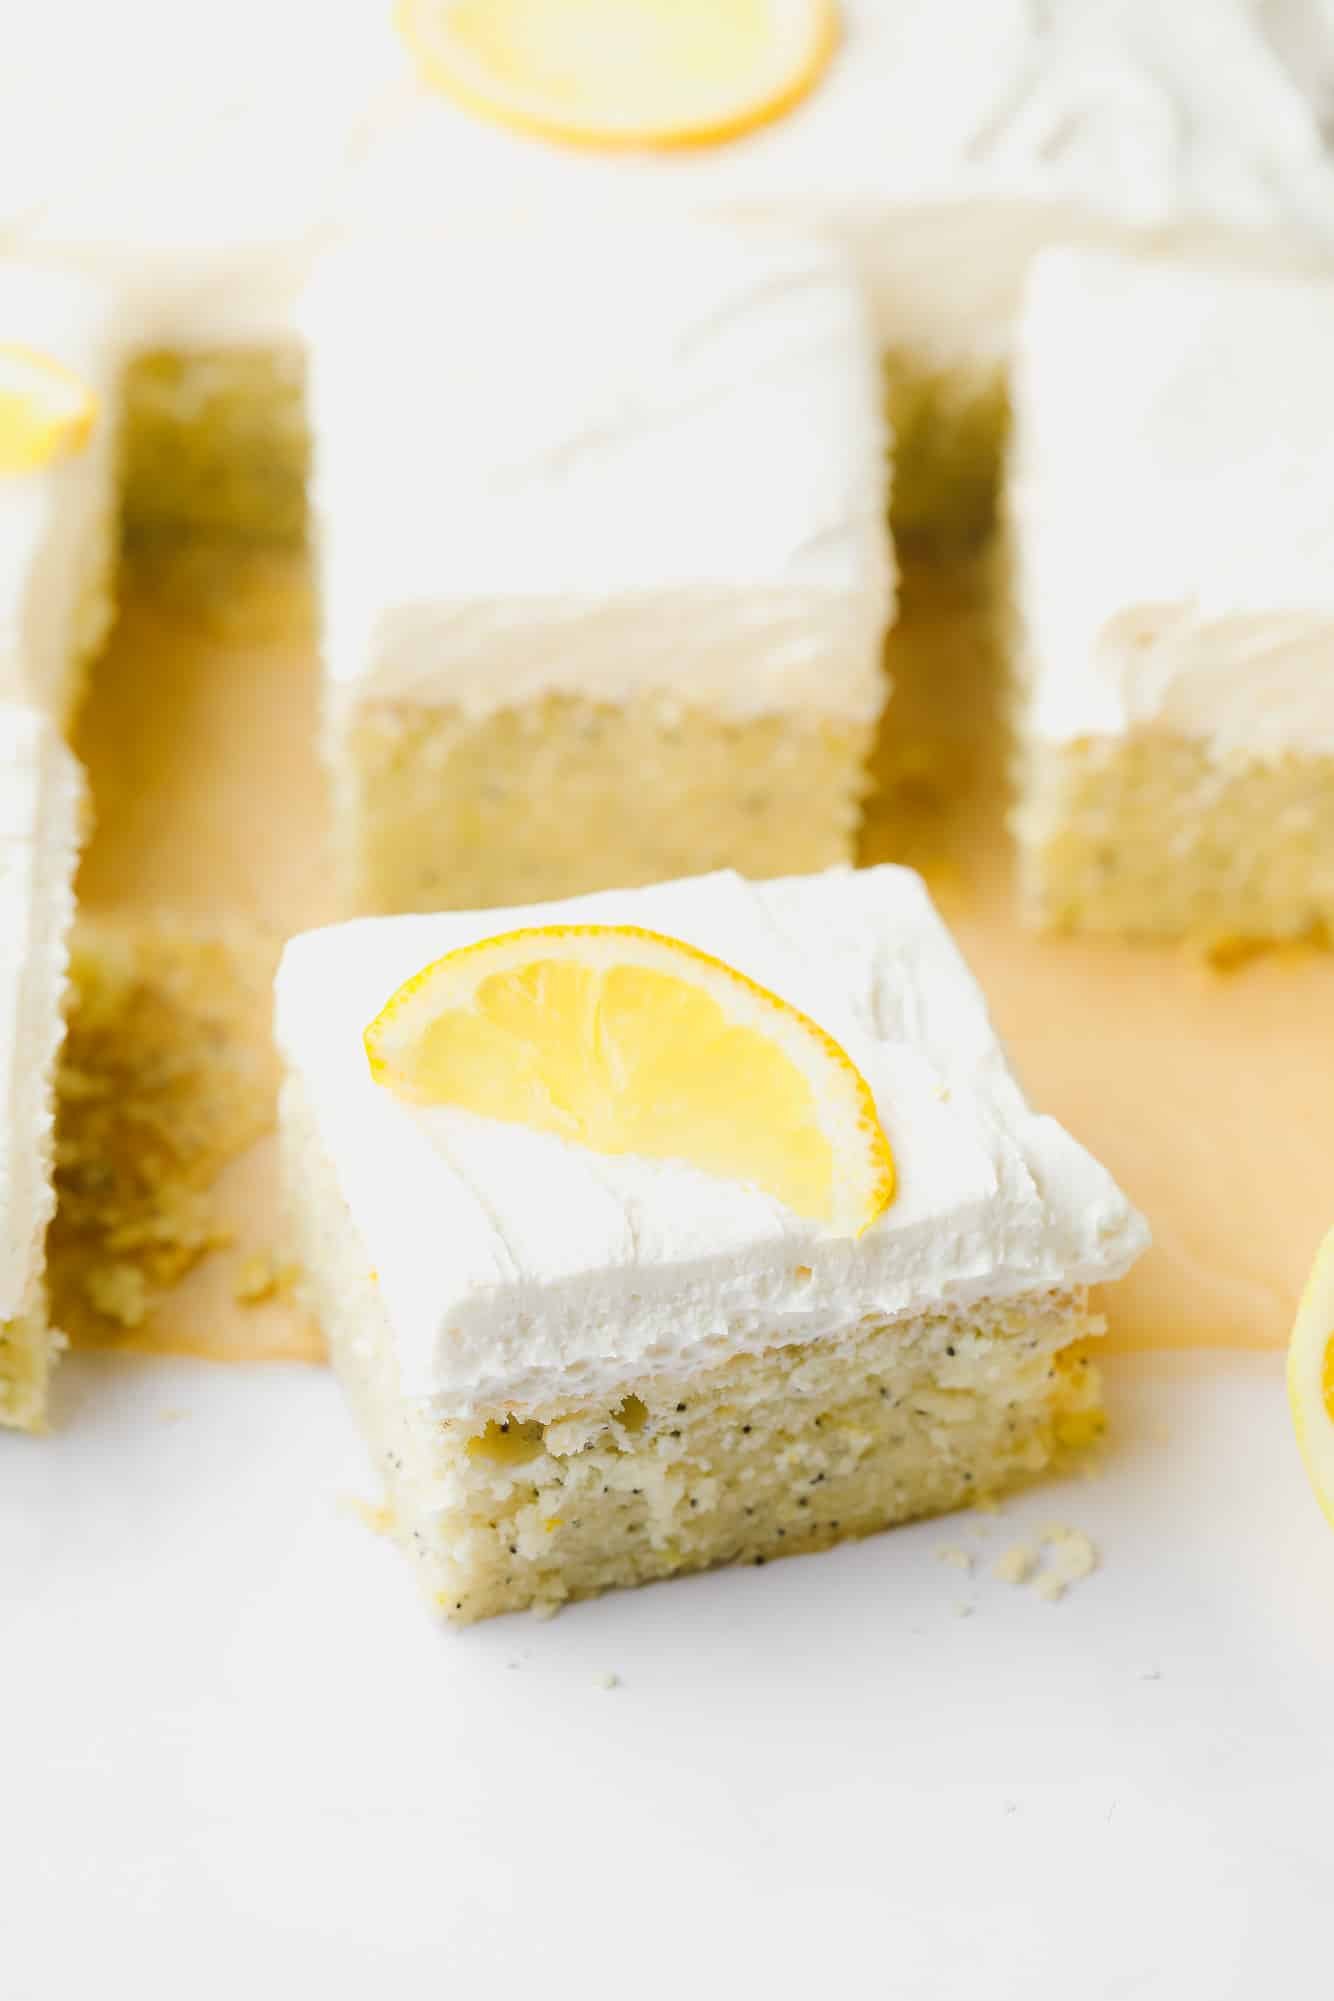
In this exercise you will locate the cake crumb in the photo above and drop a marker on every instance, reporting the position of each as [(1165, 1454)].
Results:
[(166, 1075), (609, 1681), (965, 1609), (262, 1276), (1016, 1564), (377, 1515), (118, 1292), (1072, 1556), (957, 1557)]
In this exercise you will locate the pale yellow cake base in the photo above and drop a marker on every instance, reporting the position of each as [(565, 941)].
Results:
[(1153, 836), (434, 809), (773, 1454), (28, 1348), (215, 444)]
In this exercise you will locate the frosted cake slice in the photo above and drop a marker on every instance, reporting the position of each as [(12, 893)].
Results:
[(58, 515), (41, 814), (1170, 508), (582, 1368), (603, 587)]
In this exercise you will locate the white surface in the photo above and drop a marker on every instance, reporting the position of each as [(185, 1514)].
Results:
[(516, 1269), (666, 479), (1171, 503), (239, 1758)]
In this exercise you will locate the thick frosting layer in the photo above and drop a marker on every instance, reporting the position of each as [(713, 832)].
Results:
[(41, 807), (947, 142), (1171, 503), (669, 481), (53, 522), (515, 1269)]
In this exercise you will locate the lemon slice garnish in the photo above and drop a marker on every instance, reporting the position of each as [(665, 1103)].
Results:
[(627, 1042), (45, 411), (623, 72), (1311, 1376)]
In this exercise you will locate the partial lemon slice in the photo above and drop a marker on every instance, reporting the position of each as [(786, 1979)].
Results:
[(623, 72), (45, 411), (628, 1042), (1311, 1376)]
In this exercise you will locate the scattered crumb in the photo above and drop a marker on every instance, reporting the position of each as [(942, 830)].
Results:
[(964, 1609), (1016, 1564), (1152, 1674), (166, 1075), (261, 1277), (609, 1681), (118, 1292), (1010, 1806), (514, 1664), (1071, 1556), (957, 1557), (377, 1516), (172, 1416), (1224, 952)]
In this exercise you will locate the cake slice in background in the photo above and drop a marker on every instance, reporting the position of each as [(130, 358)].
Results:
[(591, 1364), (41, 818), (1170, 530), (58, 502), (603, 567)]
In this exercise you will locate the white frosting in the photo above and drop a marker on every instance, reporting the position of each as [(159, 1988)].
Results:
[(670, 480), (41, 802), (1171, 503), (515, 1268), (53, 521), (948, 141)]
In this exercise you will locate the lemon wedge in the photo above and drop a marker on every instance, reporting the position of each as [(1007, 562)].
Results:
[(622, 73), (45, 411), (1311, 1376), (627, 1042)]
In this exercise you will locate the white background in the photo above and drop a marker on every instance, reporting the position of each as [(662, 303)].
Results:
[(238, 1755)]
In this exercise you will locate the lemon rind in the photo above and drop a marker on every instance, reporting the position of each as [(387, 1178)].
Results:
[(517, 113)]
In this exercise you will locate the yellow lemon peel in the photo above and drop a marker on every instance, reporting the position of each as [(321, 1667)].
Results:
[(623, 73), (46, 412), (1311, 1376)]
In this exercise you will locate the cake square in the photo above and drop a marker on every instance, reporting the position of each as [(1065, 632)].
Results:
[(579, 1370), (603, 587), (1170, 517), (41, 819), (58, 522)]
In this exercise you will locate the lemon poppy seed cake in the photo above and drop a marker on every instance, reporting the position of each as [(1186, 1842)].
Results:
[(604, 588), (59, 368), (680, 1226), (41, 812), (1171, 542)]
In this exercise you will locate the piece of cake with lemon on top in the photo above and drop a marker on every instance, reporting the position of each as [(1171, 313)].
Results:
[(41, 818), (58, 474), (1172, 551), (697, 1224), (603, 587)]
